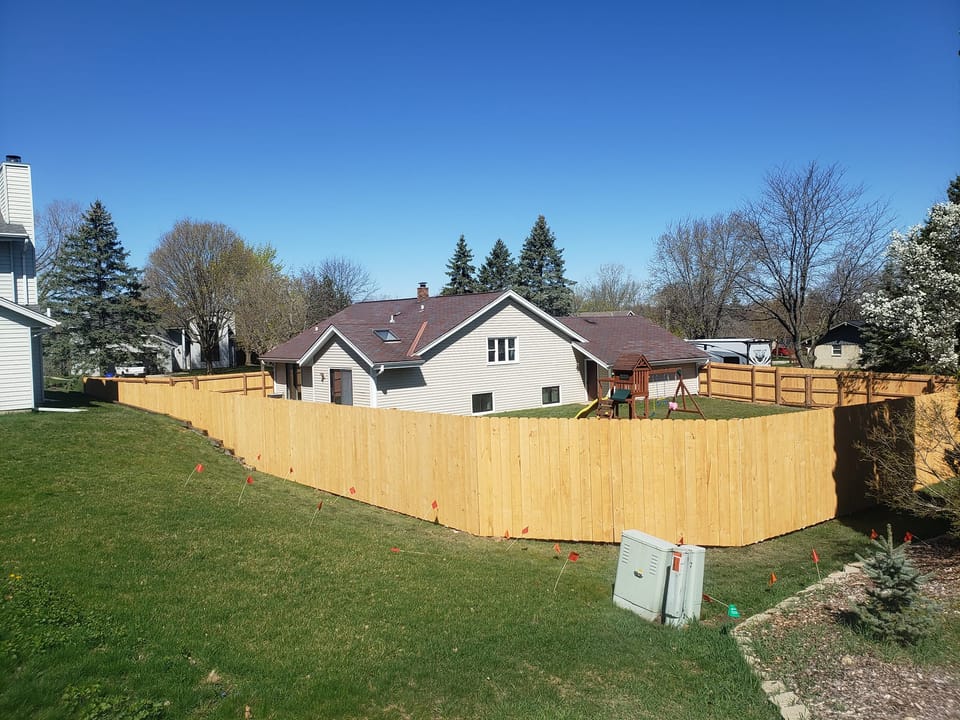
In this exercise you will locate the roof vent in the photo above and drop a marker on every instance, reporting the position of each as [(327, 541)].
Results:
[(14, 159)]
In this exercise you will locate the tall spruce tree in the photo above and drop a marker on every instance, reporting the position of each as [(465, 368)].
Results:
[(498, 271), (97, 297), (460, 271), (540, 272)]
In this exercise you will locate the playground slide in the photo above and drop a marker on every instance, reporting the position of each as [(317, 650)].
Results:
[(587, 409)]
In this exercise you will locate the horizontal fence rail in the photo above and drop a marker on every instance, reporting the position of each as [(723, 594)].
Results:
[(806, 387), (712, 482), (259, 383)]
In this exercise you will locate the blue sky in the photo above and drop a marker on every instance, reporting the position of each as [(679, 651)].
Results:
[(382, 131)]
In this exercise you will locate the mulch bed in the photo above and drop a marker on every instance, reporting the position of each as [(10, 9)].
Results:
[(803, 645)]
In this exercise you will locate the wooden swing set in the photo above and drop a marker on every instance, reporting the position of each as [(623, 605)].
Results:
[(629, 384)]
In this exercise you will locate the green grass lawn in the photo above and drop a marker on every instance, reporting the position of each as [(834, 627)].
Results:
[(133, 588), (713, 409)]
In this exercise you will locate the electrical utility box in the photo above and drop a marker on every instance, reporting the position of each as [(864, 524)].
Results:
[(658, 580)]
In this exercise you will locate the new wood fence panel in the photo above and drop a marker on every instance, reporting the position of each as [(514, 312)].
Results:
[(728, 482)]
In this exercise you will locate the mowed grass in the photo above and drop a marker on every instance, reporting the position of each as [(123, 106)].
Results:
[(713, 409), (135, 589)]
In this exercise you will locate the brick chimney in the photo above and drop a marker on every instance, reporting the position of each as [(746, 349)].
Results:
[(423, 292)]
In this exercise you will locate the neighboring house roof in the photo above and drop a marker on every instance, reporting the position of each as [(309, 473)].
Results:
[(397, 333), (850, 331), (607, 313), (34, 318), (12, 229), (609, 337)]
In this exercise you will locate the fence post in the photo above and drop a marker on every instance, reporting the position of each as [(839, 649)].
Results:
[(263, 381), (839, 389), (808, 390), (753, 383), (709, 380), (196, 382), (777, 393), (244, 384), (869, 387)]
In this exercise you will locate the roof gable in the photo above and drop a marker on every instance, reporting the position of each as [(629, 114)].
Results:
[(418, 325)]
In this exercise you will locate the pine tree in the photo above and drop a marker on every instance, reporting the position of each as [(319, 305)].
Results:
[(97, 297), (894, 608), (540, 272), (498, 270), (460, 271)]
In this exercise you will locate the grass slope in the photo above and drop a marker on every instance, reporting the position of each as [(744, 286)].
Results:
[(133, 590)]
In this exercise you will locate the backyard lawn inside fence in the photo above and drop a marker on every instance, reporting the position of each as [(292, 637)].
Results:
[(713, 409), (136, 587)]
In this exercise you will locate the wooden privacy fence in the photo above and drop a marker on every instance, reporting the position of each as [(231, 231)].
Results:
[(806, 387), (714, 482), (260, 383)]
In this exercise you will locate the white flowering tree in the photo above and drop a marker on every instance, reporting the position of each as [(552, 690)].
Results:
[(915, 316)]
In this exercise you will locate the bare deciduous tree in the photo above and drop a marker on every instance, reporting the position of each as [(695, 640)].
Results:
[(57, 221), (914, 447), (193, 277), (333, 285), (270, 309), (695, 273), (613, 288), (810, 235)]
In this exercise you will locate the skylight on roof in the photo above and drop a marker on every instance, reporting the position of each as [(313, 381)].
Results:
[(386, 335)]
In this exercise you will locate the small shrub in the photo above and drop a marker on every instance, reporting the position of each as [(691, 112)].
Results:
[(894, 609)]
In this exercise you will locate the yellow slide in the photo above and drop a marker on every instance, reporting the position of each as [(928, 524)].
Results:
[(587, 409)]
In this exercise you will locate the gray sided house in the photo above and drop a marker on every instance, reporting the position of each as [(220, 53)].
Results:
[(21, 321), (458, 354), (840, 347)]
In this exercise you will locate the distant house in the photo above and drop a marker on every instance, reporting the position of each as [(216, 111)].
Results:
[(180, 352), (458, 354), (21, 321), (841, 347)]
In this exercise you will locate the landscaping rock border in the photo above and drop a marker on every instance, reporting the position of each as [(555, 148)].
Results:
[(786, 702)]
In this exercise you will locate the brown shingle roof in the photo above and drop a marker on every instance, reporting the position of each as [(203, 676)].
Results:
[(417, 324), (610, 337)]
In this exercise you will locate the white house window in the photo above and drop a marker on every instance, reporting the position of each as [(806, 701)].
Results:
[(483, 402), (501, 350), (551, 395), (837, 350)]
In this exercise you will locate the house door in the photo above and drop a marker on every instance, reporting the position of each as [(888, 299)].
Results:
[(590, 378), (341, 387), (293, 381)]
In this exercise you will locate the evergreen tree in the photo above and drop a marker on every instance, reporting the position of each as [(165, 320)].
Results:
[(894, 608), (540, 272), (460, 271), (498, 270), (97, 297)]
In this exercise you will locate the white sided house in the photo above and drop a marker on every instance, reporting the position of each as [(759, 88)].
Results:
[(457, 354), (21, 322)]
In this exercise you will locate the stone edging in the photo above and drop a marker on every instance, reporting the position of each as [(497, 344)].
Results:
[(787, 702)]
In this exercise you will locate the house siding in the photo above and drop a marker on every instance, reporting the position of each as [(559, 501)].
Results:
[(454, 371), (6, 271), (17, 388), (334, 355), (665, 385), (16, 205), (849, 356)]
